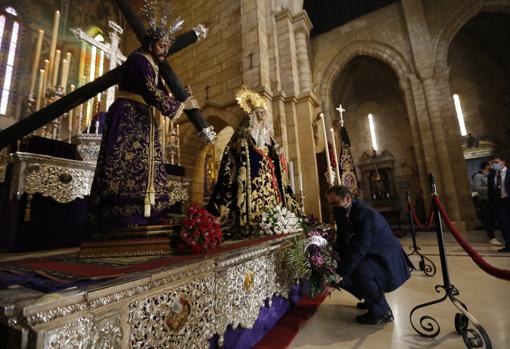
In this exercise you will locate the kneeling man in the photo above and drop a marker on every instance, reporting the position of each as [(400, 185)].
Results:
[(372, 260)]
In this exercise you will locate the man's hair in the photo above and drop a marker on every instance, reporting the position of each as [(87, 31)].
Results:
[(484, 164), (339, 190)]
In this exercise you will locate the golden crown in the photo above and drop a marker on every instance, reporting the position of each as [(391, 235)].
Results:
[(249, 100)]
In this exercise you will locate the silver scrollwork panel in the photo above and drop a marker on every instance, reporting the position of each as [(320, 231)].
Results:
[(179, 318), (88, 331)]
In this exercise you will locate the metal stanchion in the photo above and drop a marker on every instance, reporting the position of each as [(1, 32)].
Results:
[(426, 265), (472, 332)]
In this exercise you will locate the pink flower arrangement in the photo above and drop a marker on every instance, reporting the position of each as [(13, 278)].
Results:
[(200, 231)]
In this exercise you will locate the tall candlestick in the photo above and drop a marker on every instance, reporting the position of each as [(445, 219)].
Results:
[(65, 71), (326, 150), (56, 67), (178, 147), (54, 36), (301, 183), (45, 83), (71, 117), (63, 76), (291, 176), (68, 59), (80, 118), (337, 167), (163, 136), (40, 89), (35, 65)]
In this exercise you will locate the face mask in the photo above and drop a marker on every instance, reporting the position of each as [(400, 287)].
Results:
[(339, 211), (497, 166)]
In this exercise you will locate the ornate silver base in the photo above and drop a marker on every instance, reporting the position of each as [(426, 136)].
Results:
[(178, 306)]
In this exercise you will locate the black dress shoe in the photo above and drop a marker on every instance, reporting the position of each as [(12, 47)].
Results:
[(362, 305), (504, 249), (369, 319)]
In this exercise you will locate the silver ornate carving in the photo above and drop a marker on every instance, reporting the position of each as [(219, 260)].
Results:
[(76, 334), (201, 31), (207, 135), (102, 332), (88, 145), (55, 313), (178, 189), (61, 179), (180, 318), (236, 302), (121, 295), (181, 308)]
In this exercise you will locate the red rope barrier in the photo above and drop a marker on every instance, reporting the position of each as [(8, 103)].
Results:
[(475, 256), (420, 226)]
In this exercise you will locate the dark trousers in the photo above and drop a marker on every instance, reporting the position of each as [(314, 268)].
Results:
[(503, 212), (362, 284), (487, 217)]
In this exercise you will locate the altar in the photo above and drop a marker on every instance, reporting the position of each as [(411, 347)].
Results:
[(171, 301)]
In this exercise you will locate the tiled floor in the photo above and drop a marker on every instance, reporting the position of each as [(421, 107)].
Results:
[(487, 298)]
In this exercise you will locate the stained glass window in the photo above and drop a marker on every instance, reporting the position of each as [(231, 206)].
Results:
[(6, 88)]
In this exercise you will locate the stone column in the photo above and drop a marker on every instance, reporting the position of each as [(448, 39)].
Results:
[(256, 73), (289, 81), (419, 152), (306, 106), (422, 51), (303, 25), (443, 158), (456, 154)]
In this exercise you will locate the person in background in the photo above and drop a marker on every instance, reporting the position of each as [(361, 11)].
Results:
[(480, 184), (499, 194)]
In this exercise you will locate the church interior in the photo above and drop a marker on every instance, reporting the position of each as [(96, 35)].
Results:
[(401, 101)]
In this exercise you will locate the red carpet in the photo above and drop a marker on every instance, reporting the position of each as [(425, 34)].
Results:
[(284, 332)]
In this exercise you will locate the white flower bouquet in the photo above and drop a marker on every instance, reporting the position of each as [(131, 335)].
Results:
[(279, 220)]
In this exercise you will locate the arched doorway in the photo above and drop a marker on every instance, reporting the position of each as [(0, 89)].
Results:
[(367, 85)]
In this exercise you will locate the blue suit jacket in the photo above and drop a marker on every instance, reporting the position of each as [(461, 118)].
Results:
[(372, 240)]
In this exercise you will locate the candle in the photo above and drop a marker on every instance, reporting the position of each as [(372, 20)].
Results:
[(326, 149), (71, 117), (35, 65), (63, 77), (163, 135), (40, 89), (337, 167), (80, 118), (178, 147), (301, 183), (291, 176), (54, 36), (45, 83), (97, 126), (56, 66)]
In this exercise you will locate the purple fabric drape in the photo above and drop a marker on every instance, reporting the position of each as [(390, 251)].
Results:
[(242, 338)]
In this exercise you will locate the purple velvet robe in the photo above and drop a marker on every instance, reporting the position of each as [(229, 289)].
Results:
[(130, 158)]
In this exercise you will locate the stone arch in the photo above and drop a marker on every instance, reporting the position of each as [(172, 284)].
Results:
[(219, 118), (457, 20), (376, 49)]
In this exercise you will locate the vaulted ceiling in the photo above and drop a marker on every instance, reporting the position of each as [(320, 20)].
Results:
[(329, 14)]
